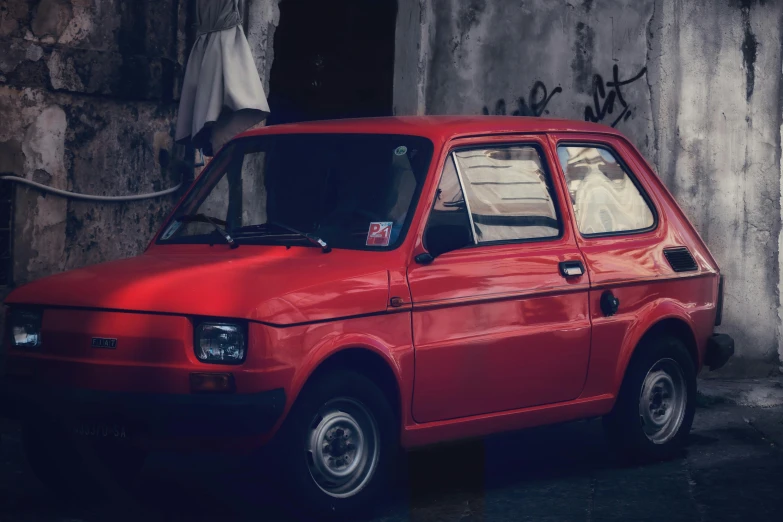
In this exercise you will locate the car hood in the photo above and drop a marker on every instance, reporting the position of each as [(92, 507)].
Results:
[(268, 284)]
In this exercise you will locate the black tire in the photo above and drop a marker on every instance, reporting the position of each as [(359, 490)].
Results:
[(303, 494), (78, 472), (625, 426)]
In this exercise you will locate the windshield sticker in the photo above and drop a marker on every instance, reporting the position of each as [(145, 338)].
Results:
[(401, 150), (171, 230), (379, 234)]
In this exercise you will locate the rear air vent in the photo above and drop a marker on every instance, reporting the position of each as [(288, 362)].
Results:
[(680, 259)]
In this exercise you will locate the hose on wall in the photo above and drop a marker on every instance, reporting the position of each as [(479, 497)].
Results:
[(89, 197), (165, 161)]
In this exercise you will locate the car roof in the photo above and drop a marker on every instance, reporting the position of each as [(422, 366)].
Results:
[(437, 128)]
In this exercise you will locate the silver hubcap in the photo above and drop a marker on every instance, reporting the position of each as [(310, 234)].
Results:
[(662, 401), (342, 447)]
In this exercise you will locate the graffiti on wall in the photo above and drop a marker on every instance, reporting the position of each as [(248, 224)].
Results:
[(534, 105), (609, 96), (608, 100)]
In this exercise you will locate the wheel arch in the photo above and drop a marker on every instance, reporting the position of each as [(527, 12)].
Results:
[(679, 328), (670, 319), (369, 360)]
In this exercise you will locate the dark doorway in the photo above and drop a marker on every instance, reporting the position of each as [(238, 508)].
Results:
[(332, 60), (6, 231)]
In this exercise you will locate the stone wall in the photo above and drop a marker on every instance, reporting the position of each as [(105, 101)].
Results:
[(88, 98), (695, 85)]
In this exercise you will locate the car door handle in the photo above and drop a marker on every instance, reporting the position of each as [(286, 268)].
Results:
[(572, 268)]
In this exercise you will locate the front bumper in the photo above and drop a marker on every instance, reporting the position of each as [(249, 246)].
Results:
[(151, 420), (720, 347)]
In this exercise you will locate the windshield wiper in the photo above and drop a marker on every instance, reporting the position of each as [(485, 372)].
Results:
[(310, 237), (252, 231), (203, 218)]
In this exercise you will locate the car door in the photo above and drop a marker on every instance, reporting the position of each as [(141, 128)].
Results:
[(622, 236), (501, 323)]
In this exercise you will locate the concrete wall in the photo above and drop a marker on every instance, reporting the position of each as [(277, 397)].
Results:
[(88, 98), (700, 96), (716, 72)]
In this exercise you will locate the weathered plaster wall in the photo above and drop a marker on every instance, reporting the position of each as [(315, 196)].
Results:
[(263, 17), (411, 55), (88, 98), (716, 68), (699, 93)]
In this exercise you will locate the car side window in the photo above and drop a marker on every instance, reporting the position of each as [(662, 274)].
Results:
[(448, 227), (510, 194), (604, 197)]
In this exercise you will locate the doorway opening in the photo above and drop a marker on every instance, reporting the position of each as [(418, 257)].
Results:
[(6, 231), (332, 60)]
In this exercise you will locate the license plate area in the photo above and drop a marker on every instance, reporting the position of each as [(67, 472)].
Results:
[(102, 430)]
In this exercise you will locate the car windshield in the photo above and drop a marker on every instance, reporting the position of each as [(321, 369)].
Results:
[(351, 191)]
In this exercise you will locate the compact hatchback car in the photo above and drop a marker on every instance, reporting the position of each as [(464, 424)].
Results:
[(340, 290)]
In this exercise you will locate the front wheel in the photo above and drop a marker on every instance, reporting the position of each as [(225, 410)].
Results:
[(654, 411), (338, 446)]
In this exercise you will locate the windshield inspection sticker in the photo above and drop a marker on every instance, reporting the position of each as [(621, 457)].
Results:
[(379, 234), (401, 150)]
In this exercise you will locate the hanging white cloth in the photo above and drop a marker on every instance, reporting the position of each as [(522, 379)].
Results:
[(222, 93)]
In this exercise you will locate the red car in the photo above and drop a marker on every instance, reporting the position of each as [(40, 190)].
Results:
[(338, 290)]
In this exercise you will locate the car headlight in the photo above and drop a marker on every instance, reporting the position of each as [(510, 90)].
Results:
[(220, 343), (24, 328)]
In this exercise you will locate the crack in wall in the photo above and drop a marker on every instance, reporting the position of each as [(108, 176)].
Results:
[(749, 52), (653, 108), (779, 154)]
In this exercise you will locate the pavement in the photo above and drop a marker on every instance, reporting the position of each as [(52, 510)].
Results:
[(731, 470), (763, 393)]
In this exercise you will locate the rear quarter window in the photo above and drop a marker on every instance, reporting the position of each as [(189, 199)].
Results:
[(603, 193)]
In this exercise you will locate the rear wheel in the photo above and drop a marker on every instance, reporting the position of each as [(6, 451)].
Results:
[(654, 412), (338, 446)]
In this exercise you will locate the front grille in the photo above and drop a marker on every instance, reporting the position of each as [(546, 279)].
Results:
[(680, 259)]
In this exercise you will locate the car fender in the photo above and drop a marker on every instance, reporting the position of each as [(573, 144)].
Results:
[(334, 344), (646, 319)]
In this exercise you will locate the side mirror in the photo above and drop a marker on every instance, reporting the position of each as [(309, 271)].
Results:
[(442, 238)]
